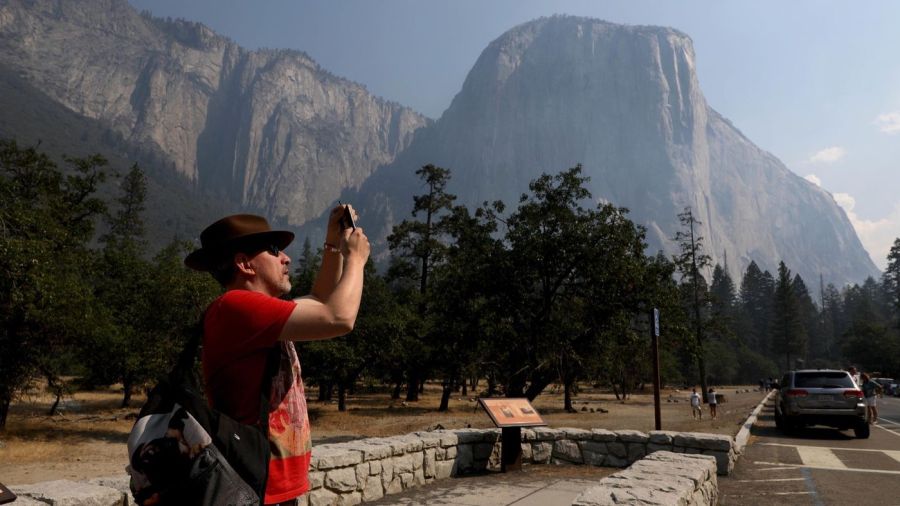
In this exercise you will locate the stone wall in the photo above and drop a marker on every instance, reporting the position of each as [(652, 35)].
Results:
[(661, 478), (368, 469)]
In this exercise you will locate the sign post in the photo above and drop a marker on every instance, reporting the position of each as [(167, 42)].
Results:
[(511, 415), (654, 338)]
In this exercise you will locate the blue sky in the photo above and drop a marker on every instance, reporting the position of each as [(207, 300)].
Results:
[(817, 83)]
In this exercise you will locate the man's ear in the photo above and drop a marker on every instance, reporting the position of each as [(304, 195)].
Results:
[(242, 262)]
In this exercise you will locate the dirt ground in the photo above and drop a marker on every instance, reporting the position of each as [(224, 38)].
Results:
[(88, 438)]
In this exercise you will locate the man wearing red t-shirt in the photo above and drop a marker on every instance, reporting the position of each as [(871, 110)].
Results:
[(243, 325)]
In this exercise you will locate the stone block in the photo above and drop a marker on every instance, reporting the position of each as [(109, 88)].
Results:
[(593, 452), (468, 436), (70, 493), (652, 447), (632, 436), (444, 469), (482, 451), (316, 479), (404, 463), (719, 442), (121, 483), (576, 434), (418, 460), (662, 437), (617, 449), (603, 435), (373, 491), (464, 456), (526, 452), (567, 450), (429, 439), (407, 479), (342, 480), (387, 471), (322, 497), (349, 499), (419, 477), (375, 467), (636, 451), (374, 451), (327, 457), (448, 438), (613, 461), (395, 486), (429, 460), (541, 452), (724, 461), (547, 434), (362, 475)]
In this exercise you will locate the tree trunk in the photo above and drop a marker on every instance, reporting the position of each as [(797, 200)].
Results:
[(326, 391), (537, 386), (55, 406), (342, 397), (126, 399), (567, 404), (465, 388), (616, 391), (4, 411), (398, 385), (412, 386), (701, 364), (445, 396)]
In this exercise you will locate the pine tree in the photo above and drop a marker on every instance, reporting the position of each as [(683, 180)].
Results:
[(787, 332)]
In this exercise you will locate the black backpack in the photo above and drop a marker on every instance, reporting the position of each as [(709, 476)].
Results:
[(181, 451)]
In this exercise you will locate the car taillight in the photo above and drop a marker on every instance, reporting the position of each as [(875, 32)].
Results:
[(853, 393), (796, 392)]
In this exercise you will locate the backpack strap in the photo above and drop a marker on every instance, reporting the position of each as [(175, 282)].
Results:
[(183, 372), (272, 362)]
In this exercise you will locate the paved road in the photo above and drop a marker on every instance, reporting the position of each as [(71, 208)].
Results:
[(818, 466)]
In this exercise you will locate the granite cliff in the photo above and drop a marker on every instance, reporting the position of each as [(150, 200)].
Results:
[(624, 101), (268, 131)]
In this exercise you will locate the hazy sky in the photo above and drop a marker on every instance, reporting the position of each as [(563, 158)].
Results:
[(817, 83)]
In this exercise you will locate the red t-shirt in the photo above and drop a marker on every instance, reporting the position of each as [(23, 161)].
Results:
[(240, 329)]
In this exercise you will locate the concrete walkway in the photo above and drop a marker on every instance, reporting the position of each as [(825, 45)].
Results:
[(537, 485)]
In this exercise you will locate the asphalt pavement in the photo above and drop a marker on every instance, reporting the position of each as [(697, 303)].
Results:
[(818, 466)]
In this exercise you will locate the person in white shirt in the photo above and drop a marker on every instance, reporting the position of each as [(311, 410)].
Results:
[(713, 402), (696, 412)]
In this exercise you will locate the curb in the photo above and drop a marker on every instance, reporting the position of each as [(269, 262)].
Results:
[(740, 441)]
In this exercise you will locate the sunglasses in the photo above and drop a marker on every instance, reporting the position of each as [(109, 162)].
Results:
[(273, 250)]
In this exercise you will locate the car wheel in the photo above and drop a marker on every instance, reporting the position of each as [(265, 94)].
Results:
[(862, 430)]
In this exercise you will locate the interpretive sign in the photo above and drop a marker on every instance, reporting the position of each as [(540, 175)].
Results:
[(512, 412)]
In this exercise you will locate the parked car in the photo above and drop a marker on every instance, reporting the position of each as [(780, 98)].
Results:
[(886, 385), (820, 397)]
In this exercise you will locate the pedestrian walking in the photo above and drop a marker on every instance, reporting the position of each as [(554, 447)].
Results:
[(713, 402), (870, 391), (696, 411)]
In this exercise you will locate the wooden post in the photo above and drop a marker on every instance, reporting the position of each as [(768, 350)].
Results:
[(654, 337), (511, 449)]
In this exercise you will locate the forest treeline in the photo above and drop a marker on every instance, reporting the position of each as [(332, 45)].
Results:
[(556, 290)]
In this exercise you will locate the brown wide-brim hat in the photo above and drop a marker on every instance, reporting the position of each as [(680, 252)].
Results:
[(231, 233)]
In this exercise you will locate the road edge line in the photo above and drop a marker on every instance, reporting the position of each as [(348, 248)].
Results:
[(740, 440)]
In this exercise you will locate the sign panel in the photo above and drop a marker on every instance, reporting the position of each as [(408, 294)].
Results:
[(512, 412), (656, 322)]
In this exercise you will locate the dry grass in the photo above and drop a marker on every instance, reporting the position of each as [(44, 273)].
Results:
[(88, 439)]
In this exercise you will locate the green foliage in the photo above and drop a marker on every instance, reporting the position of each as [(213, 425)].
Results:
[(46, 222)]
